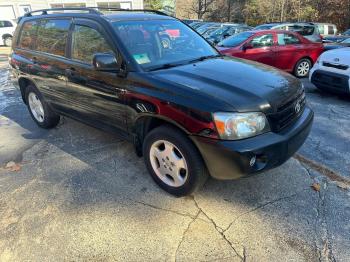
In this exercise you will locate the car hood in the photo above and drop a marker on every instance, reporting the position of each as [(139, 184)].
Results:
[(341, 56), (242, 84)]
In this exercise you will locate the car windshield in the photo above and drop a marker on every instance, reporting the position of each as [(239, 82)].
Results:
[(303, 30), (235, 40), (156, 44)]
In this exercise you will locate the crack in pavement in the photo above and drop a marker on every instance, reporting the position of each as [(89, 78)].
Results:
[(220, 231), (321, 216), (164, 209), (321, 219), (184, 233), (262, 206)]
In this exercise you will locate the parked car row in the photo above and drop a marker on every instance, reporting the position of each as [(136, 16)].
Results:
[(283, 49), (292, 47), (308, 30), (216, 32)]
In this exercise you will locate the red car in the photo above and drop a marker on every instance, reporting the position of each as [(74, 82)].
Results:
[(285, 50)]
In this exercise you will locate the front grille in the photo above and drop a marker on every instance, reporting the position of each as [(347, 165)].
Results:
[(331, 80), (337, 66), (287, 113)]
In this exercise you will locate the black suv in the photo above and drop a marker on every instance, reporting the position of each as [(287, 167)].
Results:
[(188, 110)]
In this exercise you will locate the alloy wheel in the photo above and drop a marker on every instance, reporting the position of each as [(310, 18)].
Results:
[(168, 163), (303, 68), (36, 107)]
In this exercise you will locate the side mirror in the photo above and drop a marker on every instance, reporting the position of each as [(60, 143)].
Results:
[(247, 46), (105, 62), (225, 36)]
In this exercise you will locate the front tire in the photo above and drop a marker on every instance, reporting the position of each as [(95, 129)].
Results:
[(8, 41), (302, 68), (39, 110), (173, 161)]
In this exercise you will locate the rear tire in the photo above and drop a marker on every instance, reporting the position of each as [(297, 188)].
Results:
[(8, 41), (173, 161), (39, 110), (302, 67)]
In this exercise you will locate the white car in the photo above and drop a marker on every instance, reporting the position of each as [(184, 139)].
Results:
[(7, 29), (332, 71)]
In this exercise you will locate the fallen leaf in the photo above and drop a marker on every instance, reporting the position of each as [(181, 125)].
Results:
[(316, 187), (343, 186), (13, 167), (10, 164)]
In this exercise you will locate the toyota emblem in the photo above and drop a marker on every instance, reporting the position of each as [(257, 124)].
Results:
[(336, 59), (297, 107)]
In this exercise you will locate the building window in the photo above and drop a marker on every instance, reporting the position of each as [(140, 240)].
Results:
[(68, 5), (121, 5), (23, 9)]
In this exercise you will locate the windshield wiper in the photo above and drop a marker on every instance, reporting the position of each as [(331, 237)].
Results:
[(164, 66), (202, 58)]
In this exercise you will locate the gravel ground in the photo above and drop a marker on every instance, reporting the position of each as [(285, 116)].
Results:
[(78, 194)]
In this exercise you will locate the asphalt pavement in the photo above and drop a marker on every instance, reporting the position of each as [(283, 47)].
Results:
[(79, 194)]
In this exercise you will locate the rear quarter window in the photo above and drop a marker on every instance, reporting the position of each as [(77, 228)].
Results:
[(5, 24), (321, 29), (52, 36), (28, 35), (330, 30)]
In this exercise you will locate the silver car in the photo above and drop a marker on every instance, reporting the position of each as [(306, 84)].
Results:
[(307, 30)]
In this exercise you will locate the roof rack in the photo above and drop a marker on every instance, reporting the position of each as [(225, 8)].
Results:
[(44, 11), (93, 10), (131, 10)]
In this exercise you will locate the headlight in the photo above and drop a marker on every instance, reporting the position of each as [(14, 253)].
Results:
[(234, 126)]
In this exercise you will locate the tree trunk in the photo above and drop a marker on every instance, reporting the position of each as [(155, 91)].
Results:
[(282, 10)]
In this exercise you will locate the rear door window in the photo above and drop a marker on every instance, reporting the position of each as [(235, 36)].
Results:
[(8, 24), (53, 36), (287, 39), (262, 41), (86, 42), (28, 35)]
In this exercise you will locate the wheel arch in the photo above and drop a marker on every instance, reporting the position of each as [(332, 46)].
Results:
[(306, 57), (23, 82), (301, 58), (146, 123), (6, 35)]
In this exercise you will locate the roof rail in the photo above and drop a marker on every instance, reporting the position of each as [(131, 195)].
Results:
[(131, 10), (93, 10), (44, 11)]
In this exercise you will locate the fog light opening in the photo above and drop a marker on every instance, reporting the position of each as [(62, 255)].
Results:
[(252, 161)]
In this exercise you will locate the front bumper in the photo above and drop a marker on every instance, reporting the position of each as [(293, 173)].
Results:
[(335, 82), (231, 159)]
